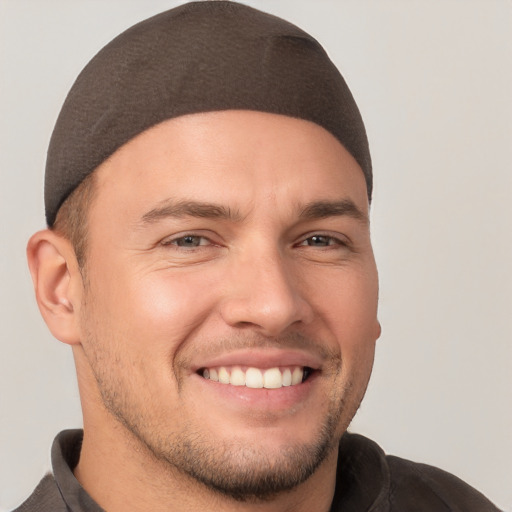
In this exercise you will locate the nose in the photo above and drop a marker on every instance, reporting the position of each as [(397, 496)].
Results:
[(263, 293)]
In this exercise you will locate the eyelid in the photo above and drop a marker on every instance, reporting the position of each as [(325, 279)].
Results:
[(173, 239), (213, 240), (340, 238)]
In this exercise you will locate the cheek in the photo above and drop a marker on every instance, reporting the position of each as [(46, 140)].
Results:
[(141, 321), (162, 307), (348, 303)]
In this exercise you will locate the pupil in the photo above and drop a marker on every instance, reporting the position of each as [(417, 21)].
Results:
[(318, 240), (188, 241)]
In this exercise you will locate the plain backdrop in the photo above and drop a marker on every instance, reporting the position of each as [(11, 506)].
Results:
[(433, 80)]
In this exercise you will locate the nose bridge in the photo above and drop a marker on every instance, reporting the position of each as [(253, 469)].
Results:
[(264, 293)]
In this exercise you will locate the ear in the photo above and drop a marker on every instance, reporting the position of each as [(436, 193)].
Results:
[(378, 330), (57, 283)]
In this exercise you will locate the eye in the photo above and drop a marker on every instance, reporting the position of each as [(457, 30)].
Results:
[(188, 241), (321, 241)]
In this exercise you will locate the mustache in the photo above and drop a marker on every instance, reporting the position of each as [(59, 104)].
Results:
[(208, 348)]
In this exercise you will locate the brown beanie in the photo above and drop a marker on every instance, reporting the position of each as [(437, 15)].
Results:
[(199, 57)]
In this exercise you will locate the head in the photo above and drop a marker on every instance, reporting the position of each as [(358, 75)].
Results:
[(211, 249)]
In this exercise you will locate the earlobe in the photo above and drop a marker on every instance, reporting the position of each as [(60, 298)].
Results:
[(378, 330), (57, 283)]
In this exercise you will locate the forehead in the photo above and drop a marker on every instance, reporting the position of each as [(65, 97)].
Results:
[(242, 158)]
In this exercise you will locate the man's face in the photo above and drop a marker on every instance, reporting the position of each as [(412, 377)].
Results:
[(223, 245)]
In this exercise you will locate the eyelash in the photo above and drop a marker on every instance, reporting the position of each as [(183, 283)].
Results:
[(176, 241), (329, 241)]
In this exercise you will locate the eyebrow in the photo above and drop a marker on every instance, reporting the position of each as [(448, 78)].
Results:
[(198, 209), (324, 209), (190, 209)]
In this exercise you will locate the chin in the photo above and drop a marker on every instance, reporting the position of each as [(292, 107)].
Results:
[(250, 470)]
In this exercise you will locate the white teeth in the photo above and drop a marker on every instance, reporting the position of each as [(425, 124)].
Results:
[(297, 375), (223, 375), (272, 378), (237, 377), (253, 378)]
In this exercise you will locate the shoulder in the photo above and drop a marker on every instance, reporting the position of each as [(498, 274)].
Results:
[(379, 482), (420, 487), (45, 498)]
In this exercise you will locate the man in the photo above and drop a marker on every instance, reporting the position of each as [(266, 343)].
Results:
[(209, 262)]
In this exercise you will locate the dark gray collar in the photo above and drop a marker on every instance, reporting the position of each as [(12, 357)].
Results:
[(362, 481), (65, 454)]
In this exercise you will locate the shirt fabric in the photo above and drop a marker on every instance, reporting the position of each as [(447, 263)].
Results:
[(367, 480)]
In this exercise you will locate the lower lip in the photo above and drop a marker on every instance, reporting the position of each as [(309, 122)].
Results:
[(260, 398)]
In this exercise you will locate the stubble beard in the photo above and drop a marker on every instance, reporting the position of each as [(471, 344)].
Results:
[(231, 468), (235, 469), (247, 472)]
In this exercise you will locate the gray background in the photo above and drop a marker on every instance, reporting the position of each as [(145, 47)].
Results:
[(433, 80)]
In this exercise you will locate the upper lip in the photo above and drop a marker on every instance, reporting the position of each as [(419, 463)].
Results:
[(261, 358)]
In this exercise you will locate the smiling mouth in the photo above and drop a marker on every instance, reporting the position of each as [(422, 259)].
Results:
[(250, 377)]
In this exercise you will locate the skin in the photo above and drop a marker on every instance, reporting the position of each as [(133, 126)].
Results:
[(281, 269)]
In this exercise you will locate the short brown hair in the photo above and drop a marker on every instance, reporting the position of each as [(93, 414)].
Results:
[(72, 217)]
